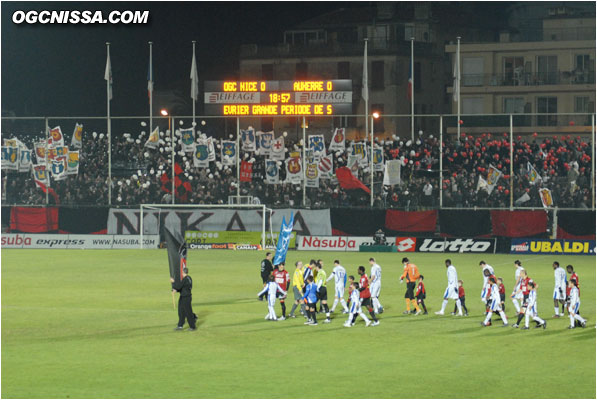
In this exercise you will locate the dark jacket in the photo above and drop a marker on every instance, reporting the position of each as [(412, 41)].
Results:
[(184, 286)]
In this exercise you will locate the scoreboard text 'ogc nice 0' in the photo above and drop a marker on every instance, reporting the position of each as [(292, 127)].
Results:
[(285, 98)]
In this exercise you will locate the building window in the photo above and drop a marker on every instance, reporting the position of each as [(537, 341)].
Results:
[(513, 70), (343, 70), (582, 69), (348, 35), (547, 105), (513, 105), (472, 105), (377, 75), (409, 31), (302, 70), (547, 70), (581, 104), (472, 71), (380, 36), (267, 72), (378, 125)]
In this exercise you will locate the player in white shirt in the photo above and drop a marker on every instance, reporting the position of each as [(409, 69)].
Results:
[(575, 305), (271, 288), (485, 268), (532, 308), (517, 296), (559, 290), (452, 289), (355, 307), (494, 293), (375, 285), (339, 275)]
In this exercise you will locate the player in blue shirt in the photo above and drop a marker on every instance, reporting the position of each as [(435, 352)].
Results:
[(311, 298)]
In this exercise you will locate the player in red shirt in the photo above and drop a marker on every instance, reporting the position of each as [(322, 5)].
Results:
[(500, 283), (420, 294), (282, 278), (525, 289), (365, 295)]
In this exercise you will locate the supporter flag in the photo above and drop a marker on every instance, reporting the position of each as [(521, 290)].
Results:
[(294, 170), (546, 198), (493, 176), (278, 151), (228, 152), (150, 76), (187, 138), (40, 177), (456, 84), (248, 139), (522, 199), (211, 151), (153, 139), (359, 150), (51, 154), (312, 175), (14, 142), (353, 163), (246, 171), (317, 144), (10, 157), (194, 77), (58, 168), (532, 174), (201, 155), (391, 174), (347, 180), (57, 137), (326, 166), (72, 163), (365, 76), (272, 172), (482, 184), (76, 141), (264, 143), (61, 151), (177, 254), (338, 140), (309, 156), (378, 159), (283, 239), (24, 159), (40, 152)]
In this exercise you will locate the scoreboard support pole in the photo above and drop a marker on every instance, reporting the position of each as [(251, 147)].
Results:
[(304, 161), (237, 160)]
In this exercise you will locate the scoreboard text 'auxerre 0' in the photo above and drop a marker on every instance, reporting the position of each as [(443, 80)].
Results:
[(284, 98)]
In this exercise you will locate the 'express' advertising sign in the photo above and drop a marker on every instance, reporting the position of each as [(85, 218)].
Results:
[(555, 246)]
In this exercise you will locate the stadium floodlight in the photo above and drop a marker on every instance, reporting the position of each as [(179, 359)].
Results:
[(164, 112), (144, 208)]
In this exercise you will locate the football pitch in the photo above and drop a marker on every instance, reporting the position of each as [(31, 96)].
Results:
[(100, 324)]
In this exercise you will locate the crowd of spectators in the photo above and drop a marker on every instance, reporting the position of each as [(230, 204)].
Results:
[(144, 175)]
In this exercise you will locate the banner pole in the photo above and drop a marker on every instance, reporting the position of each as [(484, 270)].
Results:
[(441, 161), (304, 153), (173, 137), (371, 166), (237, 160), (511, 165), (46, 160)]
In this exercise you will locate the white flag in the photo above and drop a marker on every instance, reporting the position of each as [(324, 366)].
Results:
[(294, 170), (194, 78), (317, 144), (187, 138), (153, 139), (378, 159), (493, 176), (228, 150), (312, 175), (326, 167), (278, 150), (108, 75), (77, 139), (482, 184), (391, 174), (456, 84), (522, 199), (546, 198), (211, 150), (248, 139), (338, 140), (24, 159), (10, 157), (365, 76), (264, 143)]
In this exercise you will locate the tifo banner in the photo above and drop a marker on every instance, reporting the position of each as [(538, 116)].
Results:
[(56, 241), (518, 223), (411, 221), (547, 246), (36, 220), (334, 243), (208, 237), (464, 223), (445, 245), (128, 221), (576, 225)]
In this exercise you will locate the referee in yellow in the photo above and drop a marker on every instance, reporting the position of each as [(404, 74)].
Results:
[(298, 283), (411, 274)]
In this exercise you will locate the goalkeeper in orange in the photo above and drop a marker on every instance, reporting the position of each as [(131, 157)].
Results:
[(411, 274)]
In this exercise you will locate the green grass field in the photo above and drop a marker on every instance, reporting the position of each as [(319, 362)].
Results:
[(99, 324)]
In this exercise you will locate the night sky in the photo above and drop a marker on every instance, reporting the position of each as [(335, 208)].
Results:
[(58, 69)]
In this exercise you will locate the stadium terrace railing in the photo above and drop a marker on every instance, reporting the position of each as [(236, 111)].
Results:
[(512, 155)]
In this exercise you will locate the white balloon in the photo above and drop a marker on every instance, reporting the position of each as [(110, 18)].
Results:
[(191, 177), (418, 142), (161, 149), (218, 146), (412, 153), (137, 141), (161, 167), (161, 134), (279, 163), (94, 134), (143, 123), (194, 124), (128, 181), (152, 171), (101, 136), (401, 143), (430, 136), (252, 160), (284, 133), (119, 183), (181, 123), (408, 143), (410, 161), (119, 198), (210, 176), (203, 122), (184, 158), (230, 136), (394, 137), (420, 133)]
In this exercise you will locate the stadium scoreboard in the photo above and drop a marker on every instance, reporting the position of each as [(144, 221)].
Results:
[(278, 98)]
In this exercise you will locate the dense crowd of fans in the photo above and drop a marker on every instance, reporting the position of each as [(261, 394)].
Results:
[(143, 175)]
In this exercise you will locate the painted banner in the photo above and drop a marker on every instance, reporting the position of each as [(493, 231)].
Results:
[(338, 140)]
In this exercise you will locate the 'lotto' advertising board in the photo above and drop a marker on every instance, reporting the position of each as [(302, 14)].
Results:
[(445, 245), (556, 246)]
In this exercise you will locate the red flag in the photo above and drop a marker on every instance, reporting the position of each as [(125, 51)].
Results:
[(348, 181), (246, 171), (45, 189)]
